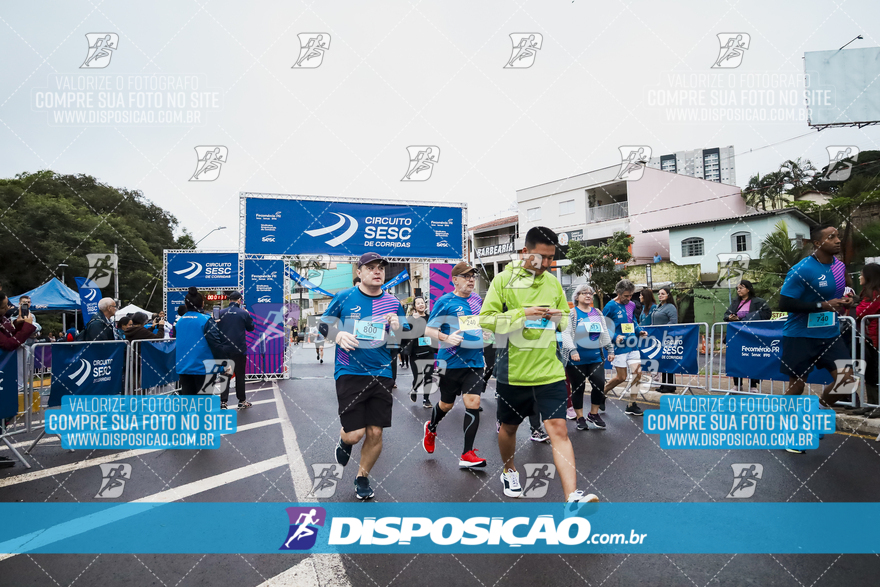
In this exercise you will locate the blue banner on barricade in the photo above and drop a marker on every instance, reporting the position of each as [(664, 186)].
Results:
[(8, 384), (754, 350), (158, 366), (89, 296), (91, 368), (42, 358), (674, 347)]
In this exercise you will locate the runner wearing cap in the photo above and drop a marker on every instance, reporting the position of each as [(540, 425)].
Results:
[(455, 322), (525, 307), (361, 320)]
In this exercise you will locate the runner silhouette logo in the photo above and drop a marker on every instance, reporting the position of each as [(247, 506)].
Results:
[(745, 479), (303, 532)]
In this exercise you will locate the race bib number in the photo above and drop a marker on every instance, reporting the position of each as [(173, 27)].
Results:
[(821, 319), (466, 323), (594, 327), (424, 341), (366, 330), (627, 328)]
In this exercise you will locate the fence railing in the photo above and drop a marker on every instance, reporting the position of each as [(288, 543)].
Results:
[(609, 212)]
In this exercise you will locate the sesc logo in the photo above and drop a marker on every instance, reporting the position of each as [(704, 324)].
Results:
[(337, 240), (264, 300), (79, 377), (303, 530), (269, 239), (191, 271)]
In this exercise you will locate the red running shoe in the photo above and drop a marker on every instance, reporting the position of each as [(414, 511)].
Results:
[(470, 460), (428, 441)]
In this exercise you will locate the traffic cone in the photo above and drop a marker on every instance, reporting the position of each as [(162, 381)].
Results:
[(702, 344)]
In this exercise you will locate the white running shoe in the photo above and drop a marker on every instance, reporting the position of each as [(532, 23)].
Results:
[(510, 479), (571, 414), (576, 500)]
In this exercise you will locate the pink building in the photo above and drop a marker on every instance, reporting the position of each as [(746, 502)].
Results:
[(592, 206)]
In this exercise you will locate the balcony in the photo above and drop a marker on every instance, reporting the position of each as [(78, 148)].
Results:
[(609, 212)]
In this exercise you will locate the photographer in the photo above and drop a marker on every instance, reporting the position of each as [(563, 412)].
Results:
[(24, 352), (139, 332), (13, 333)]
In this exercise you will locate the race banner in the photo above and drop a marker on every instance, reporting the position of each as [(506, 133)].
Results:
[(89, 296), (674, 347), (174, 300), (263, 281), (306, 283), (158, 363), (87, 369), (399, 278), (8, 384), (754, 350), (440, 283), (210, 270), (281, 226), (265, 345)]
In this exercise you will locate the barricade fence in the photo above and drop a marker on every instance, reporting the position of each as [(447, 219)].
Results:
[(751, 352), (152, 368)]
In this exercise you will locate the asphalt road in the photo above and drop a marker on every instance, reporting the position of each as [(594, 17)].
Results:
[(620, 464)]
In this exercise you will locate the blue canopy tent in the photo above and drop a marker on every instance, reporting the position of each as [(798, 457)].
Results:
[(52, 296)]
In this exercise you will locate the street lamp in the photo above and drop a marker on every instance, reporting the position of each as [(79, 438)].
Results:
[(207, 235)]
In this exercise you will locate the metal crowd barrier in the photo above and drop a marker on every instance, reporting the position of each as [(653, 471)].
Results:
[(135, 370), (719, 356), (682, 388)]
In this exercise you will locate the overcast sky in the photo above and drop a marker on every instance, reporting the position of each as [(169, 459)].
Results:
[(398, 74)]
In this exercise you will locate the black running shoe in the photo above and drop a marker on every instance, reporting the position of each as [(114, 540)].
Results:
[(582, 424), (427, 404), (596, 420), (633, 409), (412, 397), (343, 452), (362, 489)]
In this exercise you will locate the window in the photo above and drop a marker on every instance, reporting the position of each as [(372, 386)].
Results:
[(566, 207), (741, 242), (533, 214), (798, 241), (692, 247)]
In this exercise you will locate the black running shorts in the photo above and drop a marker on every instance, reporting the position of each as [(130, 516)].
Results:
[(364, 401), (801, 354), (455, 382), (517, 402)]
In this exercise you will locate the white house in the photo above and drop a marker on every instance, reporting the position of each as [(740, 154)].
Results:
[(701, 242)]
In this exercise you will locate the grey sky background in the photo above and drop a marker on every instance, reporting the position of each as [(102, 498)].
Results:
[(399, 74)]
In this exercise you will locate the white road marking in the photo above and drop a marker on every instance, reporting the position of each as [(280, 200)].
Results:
[(61, 469), (84, 524), (318, 570)]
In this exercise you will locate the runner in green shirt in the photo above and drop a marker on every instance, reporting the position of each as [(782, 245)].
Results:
[(525, 307)]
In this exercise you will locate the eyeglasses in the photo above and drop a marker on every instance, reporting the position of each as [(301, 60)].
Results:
[(469, 276)]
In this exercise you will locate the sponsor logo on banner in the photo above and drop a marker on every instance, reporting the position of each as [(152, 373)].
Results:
[(82, 374), (304, 527), (745, 479), (191, 271), (732, 48), (210, 159), (269, 239), (101, 49), (113, 478), (422, 159), (312, 47), (341, 237), (525, 47)]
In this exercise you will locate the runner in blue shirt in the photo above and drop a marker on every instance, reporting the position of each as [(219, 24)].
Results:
[(625, 340), (362, 320), (814, 293), (454, 322)]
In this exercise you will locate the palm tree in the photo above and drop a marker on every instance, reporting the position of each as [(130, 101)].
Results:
[(778, 255), (754, 194), (797, 175)]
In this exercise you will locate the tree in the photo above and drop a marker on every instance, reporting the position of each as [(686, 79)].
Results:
[(797, 175), (48, 218), (778, 254), (601, 262)]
